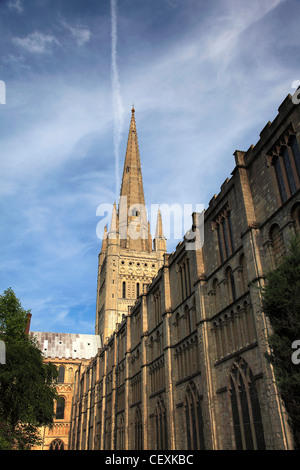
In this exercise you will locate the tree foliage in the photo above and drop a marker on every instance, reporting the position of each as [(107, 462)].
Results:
[(27, 383), (281, 303)]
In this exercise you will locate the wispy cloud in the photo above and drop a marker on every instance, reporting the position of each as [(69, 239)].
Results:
[(16, 5), (116, 91), (209, 79), (37, 42), (81, 34), (55, 134), (172, 3), (205, 78), (221, 39)]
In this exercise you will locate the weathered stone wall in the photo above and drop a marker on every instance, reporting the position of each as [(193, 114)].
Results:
[(187, 363)]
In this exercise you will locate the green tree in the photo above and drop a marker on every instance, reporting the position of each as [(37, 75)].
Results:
[(281, 303), (27, 383)]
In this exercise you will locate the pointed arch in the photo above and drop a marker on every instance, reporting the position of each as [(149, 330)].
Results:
[(295, 215), (178, 326), (57, 444), (216, 295), (121, 433), (60, 408), (61, 375), (138, 429), (245, 407), (231, 291), (161, 429), (193, 419), (277, 244), (243, 273)]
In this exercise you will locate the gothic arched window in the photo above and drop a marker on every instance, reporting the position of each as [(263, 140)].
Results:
[(296, 217), (61, 375), (60, 408), (247, 422), (178, 326), (288, 169), (57, 444), (277, 243), (296, 152), (243, 273), (188, 327), (223, 226), (286, 162), (280, 179), (161, 431), (216, 294), (230, 285), (193, 419), (121, 433), (138, 430)]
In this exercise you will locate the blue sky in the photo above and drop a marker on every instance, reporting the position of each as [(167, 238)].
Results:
[(205, 78)]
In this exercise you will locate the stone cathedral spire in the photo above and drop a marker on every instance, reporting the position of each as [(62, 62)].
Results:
[(160, 243), (133, 223), (132, 181), (127, 261)]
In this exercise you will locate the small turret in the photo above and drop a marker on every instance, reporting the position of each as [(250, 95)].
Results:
[(104, 240), (159, 242), (114, 226)]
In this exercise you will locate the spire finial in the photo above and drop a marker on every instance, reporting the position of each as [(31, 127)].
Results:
[(132, 109)]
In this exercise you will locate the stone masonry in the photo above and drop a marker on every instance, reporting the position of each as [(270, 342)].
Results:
[(183, 335)]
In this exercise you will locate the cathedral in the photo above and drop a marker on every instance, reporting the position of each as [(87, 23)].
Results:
[(177, 361)]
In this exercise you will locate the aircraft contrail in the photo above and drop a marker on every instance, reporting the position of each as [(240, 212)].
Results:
[(116, 93)]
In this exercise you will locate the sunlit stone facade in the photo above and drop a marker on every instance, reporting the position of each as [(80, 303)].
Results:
[(183, 335)]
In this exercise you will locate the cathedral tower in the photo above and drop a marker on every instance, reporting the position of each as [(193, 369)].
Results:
[(127, 260)]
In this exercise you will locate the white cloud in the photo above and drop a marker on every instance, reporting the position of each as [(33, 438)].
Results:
[(37, 43), (60, 116), (16, 5), (195, 98), (172, 3), (202, 100), (188, 71), (81, 34)]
